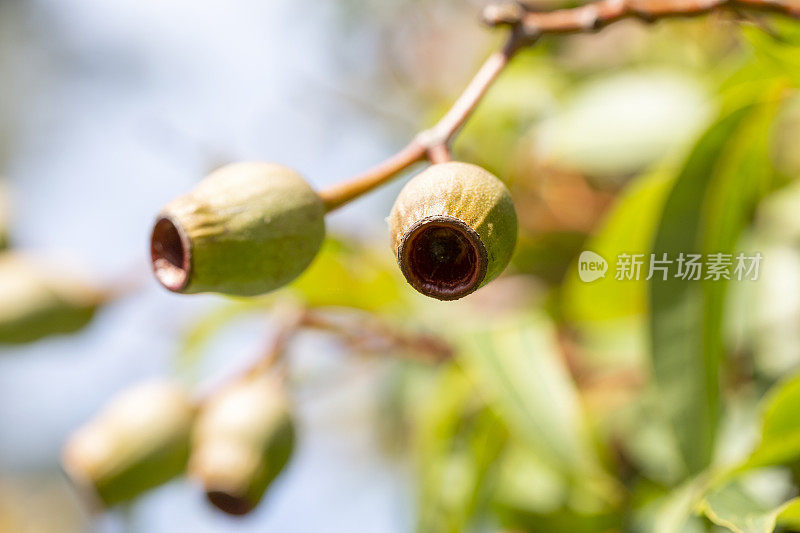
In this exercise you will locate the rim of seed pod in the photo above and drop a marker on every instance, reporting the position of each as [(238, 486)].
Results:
[(448, 235), (171, 253)]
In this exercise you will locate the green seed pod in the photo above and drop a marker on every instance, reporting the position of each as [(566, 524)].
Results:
[(246, 229), (36, 301), (453, 229), (139, 441), (243, 439), (5, 208)]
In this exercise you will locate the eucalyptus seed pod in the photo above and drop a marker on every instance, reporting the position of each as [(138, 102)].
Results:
[(246, 229), (37, 300), (139, 441), (4, 216), (453, 229), (242, 440)]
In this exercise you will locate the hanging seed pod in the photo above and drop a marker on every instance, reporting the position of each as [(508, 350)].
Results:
[(139, 441), (247, 229), (453, 229), (37, 301), (5, 208), (243, 439)]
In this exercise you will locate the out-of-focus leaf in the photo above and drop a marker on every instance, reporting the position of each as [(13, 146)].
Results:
[(548, 255), (780, 55), (676, 513), (532, 495), (607, 129), (789, 517), (197, 337), (628, 228), (517, 364), (734, 508), (648, 442), (708, 206), (780, 429), (343, 275), (511, 106), (457, 445)]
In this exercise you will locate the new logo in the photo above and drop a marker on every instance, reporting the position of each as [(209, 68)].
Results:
[(591, 266)]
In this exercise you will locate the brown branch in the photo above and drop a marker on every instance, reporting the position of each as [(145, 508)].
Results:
[(597, 15), (432, 143), (526, 27), (439, 154), (352, 188), (369, 335), (360, 332), (272, 355)]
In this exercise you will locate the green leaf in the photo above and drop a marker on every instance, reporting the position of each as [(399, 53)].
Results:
[(517, 365), (731, 506), (342, 275), (628, 228), (532, 495), (710, 203), (457, 443), (779, 53), (197, 337), (780, 429), (345, 275), (676, 513)]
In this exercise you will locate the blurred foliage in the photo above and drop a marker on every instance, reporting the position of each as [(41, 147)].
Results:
[(642, 406)]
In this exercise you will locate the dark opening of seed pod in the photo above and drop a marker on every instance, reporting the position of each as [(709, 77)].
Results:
[(443, 257), (170, 253), (227, 503)]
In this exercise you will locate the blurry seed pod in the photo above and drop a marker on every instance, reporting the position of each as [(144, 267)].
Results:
[(243, 439), (453, 229), (246, 229), (5, 208), (139, 441), (37, 300)]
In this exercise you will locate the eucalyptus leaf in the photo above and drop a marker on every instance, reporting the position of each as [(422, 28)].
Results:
[(780, 429), (517, 366), (712, 199), (734, 508), (347, 275), (457, 444)]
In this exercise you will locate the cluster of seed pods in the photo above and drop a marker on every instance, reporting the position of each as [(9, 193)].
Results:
[(250, 228)]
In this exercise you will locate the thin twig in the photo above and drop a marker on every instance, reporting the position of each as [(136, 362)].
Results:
[(368, 334), (359, 332), (272, 355), (597, 15), (526, 28), (430, 140), (352, 188), (439, 154)]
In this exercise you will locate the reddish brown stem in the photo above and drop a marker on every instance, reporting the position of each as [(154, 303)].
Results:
[(341, 193), (527, 27), (439, 154), (596, 15), (432, 143)]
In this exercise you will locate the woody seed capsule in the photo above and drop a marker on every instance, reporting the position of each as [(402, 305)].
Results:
[(37, 300), (139, 441), (243, 439), (4, 216), (453, 229), (246, 229)]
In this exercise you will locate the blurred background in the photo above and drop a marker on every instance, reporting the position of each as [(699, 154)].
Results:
[(559, 412)]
